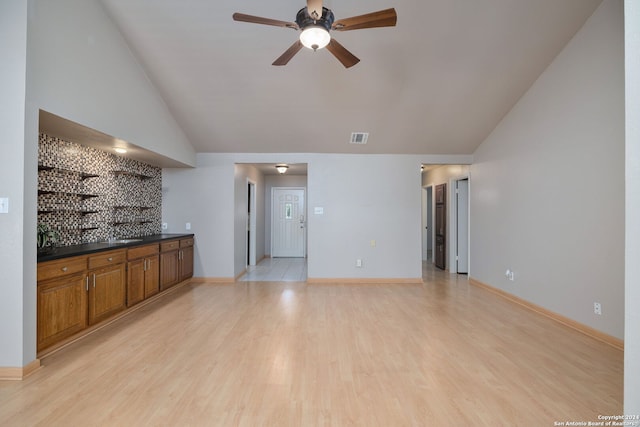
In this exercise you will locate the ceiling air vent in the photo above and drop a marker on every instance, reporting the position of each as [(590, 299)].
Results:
[(359, 138)]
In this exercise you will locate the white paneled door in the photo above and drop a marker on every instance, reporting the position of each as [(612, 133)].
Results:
[(288, 228)]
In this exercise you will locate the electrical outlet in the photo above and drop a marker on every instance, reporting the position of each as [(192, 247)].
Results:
[(358, 262), (597, 308), (509, 275), (165, 226), (187, 226)]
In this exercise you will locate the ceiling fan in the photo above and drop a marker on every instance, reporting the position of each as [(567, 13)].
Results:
[(316, 22)]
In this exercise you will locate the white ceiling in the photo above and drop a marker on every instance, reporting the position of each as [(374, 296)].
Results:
[(437, 83)]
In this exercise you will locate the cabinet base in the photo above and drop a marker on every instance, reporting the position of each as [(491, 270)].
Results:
[(91, 329)]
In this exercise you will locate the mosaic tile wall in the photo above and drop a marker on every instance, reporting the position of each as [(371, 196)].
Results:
[(89, 195)]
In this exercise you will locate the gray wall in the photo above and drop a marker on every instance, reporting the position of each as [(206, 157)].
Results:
[(365, 197), (632, 266), (547, 186), (17, 302)]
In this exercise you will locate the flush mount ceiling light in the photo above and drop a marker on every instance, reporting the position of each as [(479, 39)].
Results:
[(120, 150), (282, 168)]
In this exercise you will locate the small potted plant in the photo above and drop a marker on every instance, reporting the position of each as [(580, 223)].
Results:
[(47, 238)]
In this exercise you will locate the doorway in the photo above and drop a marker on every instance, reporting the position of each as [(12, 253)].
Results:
[(427, 223), (462, 226), (288, 222), (440, 231), (251, 223)]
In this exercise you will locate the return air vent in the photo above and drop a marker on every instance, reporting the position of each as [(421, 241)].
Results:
[(359, 138)]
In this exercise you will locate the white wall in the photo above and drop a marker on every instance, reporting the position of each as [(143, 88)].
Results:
[(15, 350), (547, 189), (632, 267), (365, 197)]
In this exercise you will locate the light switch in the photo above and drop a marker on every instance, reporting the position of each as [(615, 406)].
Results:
[(318, 210), (4, 205)]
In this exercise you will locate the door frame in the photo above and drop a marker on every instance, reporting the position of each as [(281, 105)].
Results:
[(428, 223), (306, 217), (250, 238), (452, 236)]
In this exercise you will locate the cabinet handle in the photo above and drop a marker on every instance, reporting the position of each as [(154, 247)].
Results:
[(94, 281), (145, 265), (87, 283), (110, 259), (64, 269)]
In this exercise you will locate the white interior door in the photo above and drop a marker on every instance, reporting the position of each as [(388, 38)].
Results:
[(288, 228)]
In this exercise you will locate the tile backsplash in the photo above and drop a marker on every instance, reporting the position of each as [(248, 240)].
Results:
[(90, 195)]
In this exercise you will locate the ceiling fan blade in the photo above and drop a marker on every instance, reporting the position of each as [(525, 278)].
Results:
[(265, 21), (382, 18), (347, 58), (314, 8), (288, 54)]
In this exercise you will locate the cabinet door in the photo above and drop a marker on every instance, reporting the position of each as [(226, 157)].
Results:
[(135, 282), (186, 263), (152, 276), (107, 292), (169, 271), (62, 309)]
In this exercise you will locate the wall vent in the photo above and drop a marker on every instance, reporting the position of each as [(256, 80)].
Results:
[(359, 138)]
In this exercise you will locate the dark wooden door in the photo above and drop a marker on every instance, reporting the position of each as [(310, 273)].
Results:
[(441, 226)]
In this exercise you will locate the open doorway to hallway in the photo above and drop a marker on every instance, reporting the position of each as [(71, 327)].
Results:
[(446, 217), (254, 232)]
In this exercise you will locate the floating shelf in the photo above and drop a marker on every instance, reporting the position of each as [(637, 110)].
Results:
[(131, 222), (78, 211), (139, 208), (83, 196), (80, 230), (83, 175), (133, 174)]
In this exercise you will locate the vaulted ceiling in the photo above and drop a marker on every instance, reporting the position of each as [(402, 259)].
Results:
[(437, 83)]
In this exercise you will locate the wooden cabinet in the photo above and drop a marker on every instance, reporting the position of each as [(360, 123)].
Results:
[(107, 286), (78, 292), (169, 264), (62, 308), (186, 259), (176, 262), (143, 273)]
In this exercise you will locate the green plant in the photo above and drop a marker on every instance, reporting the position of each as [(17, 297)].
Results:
[(47, 236)]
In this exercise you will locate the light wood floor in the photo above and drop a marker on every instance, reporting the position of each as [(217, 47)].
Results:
[(442, 353)]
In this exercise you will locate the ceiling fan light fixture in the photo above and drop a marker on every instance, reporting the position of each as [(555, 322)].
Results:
[(282, 168), (315, 37)]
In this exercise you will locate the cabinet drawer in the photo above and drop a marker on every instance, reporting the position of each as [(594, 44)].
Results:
[(107, 258), (142, 251), (186, 242), (62, 267), (169, 246)]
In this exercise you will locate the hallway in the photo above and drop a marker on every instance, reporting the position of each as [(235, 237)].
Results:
[(277, 270)]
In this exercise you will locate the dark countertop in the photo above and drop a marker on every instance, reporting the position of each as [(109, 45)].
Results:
[(90, 248)]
